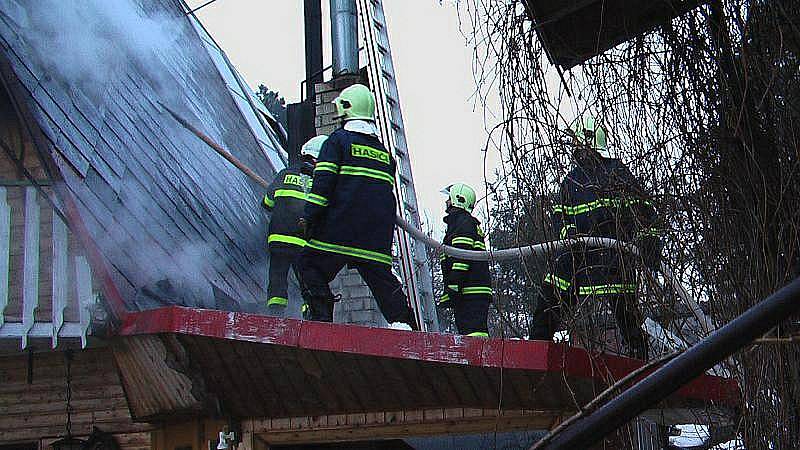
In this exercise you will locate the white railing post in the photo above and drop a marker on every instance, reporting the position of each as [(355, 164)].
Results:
[(5, 242), (83, 283), (30, 277), (60, 274)]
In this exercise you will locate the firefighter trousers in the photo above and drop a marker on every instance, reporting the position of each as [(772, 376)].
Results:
[(318, 268), (471, 312), (281, 259), (551, 309)]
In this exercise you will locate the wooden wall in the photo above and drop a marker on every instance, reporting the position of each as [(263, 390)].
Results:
[(32, 399)]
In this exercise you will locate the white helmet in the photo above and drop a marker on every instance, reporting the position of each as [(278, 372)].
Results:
[(313, 146)]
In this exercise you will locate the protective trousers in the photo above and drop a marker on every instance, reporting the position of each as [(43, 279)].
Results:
[(550, 311), (471, 312), (317, 269), (281, 259)]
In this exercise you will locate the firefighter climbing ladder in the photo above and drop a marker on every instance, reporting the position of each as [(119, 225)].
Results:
[(414, 263)]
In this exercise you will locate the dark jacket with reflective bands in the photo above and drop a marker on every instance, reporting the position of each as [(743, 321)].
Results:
[(601, 198), (351, 207), (286, 198), (465, 277)]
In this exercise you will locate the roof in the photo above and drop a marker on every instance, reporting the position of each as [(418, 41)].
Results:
[(574, 31), (305, 368), (164, 219)]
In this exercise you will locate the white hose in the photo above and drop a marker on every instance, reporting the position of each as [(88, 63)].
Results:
[(514, 252)]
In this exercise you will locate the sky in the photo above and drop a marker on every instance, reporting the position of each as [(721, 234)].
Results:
[(433, 62)]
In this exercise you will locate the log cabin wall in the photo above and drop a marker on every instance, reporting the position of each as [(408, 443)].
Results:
[(33, 405)]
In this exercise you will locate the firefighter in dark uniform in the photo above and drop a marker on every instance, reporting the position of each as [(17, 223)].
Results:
[(286, 198), (350, 214), (467, 284), (599, 198)]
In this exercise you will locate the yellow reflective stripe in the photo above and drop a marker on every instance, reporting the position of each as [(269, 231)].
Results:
[(350, 251), (479, 334), (442, 257), (268, 201), (304, 308), (606, 289), (323, 166), (477, 290), (479, 245), (599, 203), (279, 301), (565, 230), (557, 281), (444, 298), (294, 240), (366, 172), (460, 266), (290, 193), (463, 240), (452, 287), (317, 199)]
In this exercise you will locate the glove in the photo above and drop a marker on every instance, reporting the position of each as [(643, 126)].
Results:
[(303, 226), (650, 249)]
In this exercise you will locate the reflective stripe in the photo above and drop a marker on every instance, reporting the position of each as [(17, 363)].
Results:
[(606, 289), (323, 166), (565, 230), (279, 301), (444, 298), (294, 240), (460, 266), (479, 245), (479, 334), (442, 257), (268, 201), (477, 290), (350, 251), (290, 193), (452, 287), (463, 240), (365, 172), (651, 232), (304, 308), (317, 199), (597, 204), (557, 281)]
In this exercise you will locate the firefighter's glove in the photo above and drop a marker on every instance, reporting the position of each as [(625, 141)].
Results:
[(303, 226), (650, 249)]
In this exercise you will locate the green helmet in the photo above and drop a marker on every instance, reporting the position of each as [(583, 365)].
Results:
[(355, 102), (313, 146), (461, 196), (590, 133)]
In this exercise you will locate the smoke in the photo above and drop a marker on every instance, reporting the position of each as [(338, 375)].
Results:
[(92, 42)]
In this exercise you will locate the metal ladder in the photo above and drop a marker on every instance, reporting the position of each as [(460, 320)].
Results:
[(412, 259)]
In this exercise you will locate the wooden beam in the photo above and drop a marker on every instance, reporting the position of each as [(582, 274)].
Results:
[(392, 425)]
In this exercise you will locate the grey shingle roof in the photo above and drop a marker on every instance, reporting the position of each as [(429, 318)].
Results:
[(158, 203)]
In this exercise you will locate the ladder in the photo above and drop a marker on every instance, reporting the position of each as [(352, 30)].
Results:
[(412, 258)]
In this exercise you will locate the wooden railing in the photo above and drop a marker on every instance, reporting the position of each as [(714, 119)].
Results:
[(46, 291)]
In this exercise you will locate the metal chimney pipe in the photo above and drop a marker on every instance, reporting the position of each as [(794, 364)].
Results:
[(344, 37)]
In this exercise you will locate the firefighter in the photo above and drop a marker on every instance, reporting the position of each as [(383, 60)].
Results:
[(286, 198), (467, 285), (350, 213), (599, 198)]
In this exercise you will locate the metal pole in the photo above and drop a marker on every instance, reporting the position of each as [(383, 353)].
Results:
[(702, 356), (312, 13), (344, 37)]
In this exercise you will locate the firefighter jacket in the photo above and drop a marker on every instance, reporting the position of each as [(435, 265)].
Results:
[(351, 207), (462, 277), (600, 197), (286, 198)]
